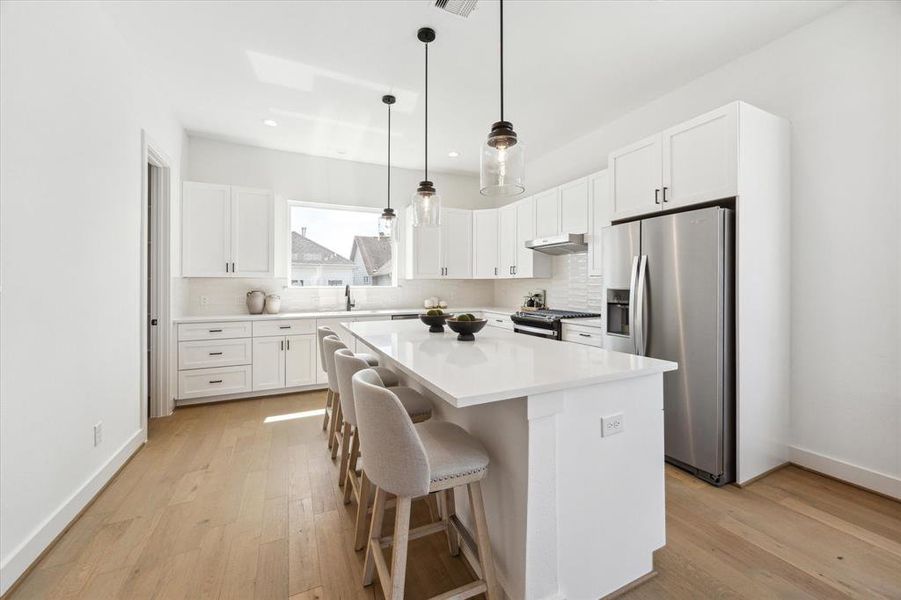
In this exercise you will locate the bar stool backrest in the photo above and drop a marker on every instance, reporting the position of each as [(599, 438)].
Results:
[(321, 333), (396, 460), (347, 364), (332, 344)]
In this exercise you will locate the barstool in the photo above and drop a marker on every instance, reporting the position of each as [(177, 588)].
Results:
[(416, 405), (330, 404), (410, 460), (331, 344)]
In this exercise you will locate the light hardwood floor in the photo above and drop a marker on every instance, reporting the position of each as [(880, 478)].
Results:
[(222, 504)]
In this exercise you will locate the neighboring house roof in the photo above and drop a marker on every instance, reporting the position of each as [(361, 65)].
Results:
[(375, 251), (305, 251)]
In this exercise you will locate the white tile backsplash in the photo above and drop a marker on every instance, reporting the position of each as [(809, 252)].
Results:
[(569, 288)]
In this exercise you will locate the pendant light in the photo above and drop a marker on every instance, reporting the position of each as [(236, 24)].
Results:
[(501, 159), (388, 218), (426, 201)]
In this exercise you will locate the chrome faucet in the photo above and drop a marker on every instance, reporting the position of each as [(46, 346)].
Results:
[(348, 303)]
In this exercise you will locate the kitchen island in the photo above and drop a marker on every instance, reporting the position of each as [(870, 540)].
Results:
[(572, 513)]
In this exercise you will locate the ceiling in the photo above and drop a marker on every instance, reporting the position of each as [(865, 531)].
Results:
[(319, 69)]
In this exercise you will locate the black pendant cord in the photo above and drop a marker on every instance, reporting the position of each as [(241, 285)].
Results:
[(426, 178), (389, 156), (502, 59)]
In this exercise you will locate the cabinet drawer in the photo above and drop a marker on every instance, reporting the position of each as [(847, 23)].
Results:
[(213, 331), (283, 327), (215, 353), (499, 320), (213, 382), (589, 336)]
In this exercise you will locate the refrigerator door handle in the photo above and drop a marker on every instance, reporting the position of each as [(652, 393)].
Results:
[(633, 304), (641, 329)]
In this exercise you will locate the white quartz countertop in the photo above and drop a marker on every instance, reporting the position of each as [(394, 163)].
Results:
[(333, 314), (499, 364)]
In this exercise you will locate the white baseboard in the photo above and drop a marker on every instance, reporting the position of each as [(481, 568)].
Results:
[(883, 483), (21, 557)]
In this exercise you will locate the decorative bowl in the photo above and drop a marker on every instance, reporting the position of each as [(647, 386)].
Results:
[(435, 322), (466, 329)]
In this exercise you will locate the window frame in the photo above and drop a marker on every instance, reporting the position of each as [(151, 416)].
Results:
[(395, 271)]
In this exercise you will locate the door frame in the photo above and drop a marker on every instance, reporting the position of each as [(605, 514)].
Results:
[(161, 403)]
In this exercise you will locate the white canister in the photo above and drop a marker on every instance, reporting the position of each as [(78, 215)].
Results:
[(255, 302), (273, 304)]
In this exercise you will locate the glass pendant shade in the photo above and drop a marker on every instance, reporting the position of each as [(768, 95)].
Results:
[(426, 206), (502, 166), (387, 221)]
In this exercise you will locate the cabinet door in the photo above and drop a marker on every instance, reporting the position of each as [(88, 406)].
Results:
[(547, 214), (506, 236), (485, 243), (424, 250), (205, 230), (253, 232), (636, 178), (600, 211), (300, 360), (456, 243), (574, 206), (268, 363), (700, 159)]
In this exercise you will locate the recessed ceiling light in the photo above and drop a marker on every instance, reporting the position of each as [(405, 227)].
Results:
[(269, 123), (453, 154)]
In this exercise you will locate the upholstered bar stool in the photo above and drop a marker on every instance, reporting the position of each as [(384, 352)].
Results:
[(331, 344), (330, 404), (410, 460), (418, 409)]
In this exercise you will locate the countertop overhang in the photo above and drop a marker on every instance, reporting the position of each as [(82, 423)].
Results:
[(330, 314), (499, 364)]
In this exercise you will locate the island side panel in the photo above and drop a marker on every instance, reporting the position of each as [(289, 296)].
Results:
[(610, 490), (503, 428)]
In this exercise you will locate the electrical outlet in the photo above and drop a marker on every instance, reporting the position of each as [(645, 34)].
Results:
[(612, 425), (98, 433), (204, 300)]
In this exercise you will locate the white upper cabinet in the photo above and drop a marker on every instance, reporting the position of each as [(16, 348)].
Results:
[(206, 230), (574, 211), (506, 237), (700, 159), (424, 255), (600, 210), (636, 178), (227, 231), (547, 213), (528, 262), (253, 232), (456, 243), (485, 243)]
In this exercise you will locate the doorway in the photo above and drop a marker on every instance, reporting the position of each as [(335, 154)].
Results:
[(155, 399)]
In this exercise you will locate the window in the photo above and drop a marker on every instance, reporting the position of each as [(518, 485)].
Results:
[(338, 246)]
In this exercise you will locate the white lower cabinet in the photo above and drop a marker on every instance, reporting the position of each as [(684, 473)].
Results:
[(268, 363), (199, 383), (581, 334), (500, 320), (300, 360)]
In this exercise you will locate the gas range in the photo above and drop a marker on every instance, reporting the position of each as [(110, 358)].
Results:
[(545, 322)]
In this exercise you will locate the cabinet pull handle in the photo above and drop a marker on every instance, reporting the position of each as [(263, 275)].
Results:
[(215, 354), (288, 344), (585, 334), (215, 381), (499, 320), (664, 194), (281, 345), (495, 271), (284, 327), (226, 267), (215, 331), (233, 267), (656, 196)]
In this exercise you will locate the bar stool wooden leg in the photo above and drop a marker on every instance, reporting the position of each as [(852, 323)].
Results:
[(375, 533), (447, 509), (328, 409), (360, 536), (345, 456), (336, 426), (486, 560), (399, 552), (350, 470)]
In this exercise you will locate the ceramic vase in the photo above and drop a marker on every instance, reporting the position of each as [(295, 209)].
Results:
[(255, 302)]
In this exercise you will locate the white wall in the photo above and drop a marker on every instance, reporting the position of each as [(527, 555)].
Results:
[(294, 176), (837, 80), (71, 112)]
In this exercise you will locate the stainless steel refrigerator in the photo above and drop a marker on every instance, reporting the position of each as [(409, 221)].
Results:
[(669, 287)]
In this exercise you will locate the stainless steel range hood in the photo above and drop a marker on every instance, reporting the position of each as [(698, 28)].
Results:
[(563, 243)]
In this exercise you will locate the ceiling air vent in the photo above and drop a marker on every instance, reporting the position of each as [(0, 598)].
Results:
[(457, 7)]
